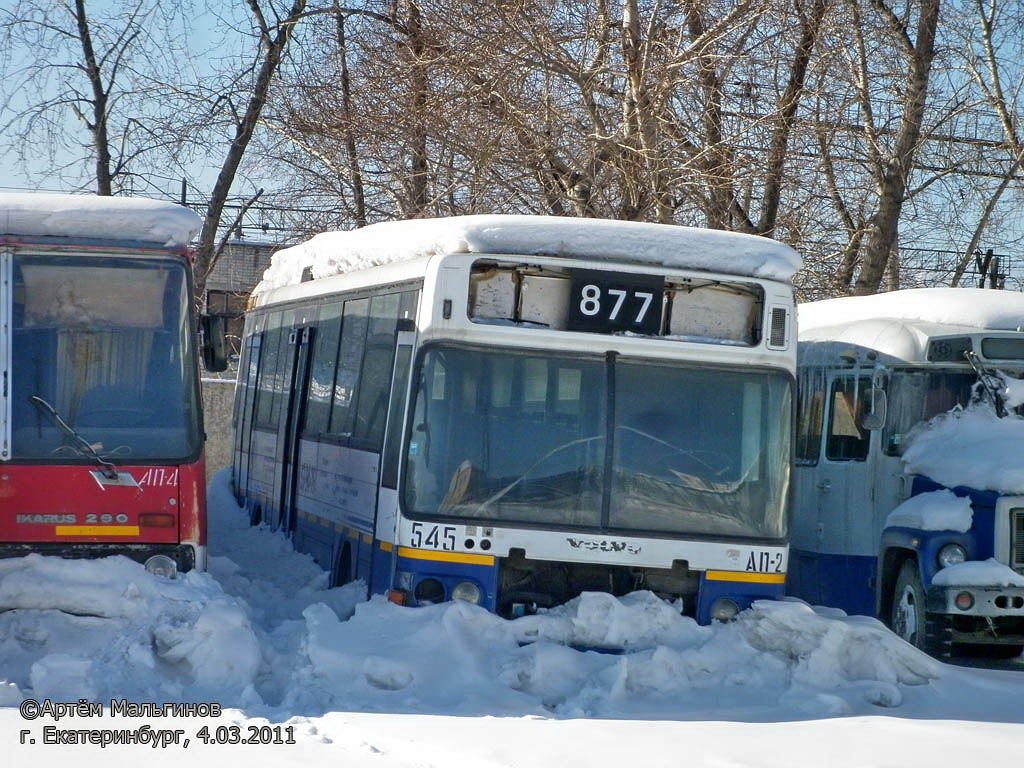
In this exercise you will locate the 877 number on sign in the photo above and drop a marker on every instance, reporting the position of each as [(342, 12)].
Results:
[(610, 302)]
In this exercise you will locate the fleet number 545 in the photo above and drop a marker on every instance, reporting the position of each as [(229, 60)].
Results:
[(434, 536)]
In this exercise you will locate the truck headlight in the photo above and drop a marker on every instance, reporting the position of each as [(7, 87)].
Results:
[(468, 591), (951, 554)]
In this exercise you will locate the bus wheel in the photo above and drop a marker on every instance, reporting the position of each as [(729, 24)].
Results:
[(908, 614), (343, 572)]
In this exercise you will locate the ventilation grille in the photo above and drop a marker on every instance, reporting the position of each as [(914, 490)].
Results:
[(779, 325), (1017, 540)]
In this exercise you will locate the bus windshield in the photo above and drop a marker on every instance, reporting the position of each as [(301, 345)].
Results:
[(106, 343), (916, 395), (522, 438)]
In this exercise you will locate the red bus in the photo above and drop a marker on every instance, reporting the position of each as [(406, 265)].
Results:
[(101, 431)]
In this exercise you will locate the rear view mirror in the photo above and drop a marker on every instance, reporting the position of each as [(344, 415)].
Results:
[(874, 415), (213, 342)]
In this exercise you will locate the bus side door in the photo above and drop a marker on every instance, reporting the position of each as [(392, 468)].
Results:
[(845, 498), (300, 343)]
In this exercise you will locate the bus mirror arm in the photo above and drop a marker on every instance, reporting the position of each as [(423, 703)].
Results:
[(213, 342)]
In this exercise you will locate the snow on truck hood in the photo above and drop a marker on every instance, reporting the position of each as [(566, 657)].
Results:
[(91, 216), (668, 245), (972, 448)]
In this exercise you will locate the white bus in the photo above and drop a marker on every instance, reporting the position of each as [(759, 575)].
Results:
[(511, 410), (873, 371)]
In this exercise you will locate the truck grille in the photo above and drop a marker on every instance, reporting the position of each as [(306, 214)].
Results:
[(1017, 540)]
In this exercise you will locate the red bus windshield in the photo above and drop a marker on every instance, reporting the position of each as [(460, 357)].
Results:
[(103, 343)]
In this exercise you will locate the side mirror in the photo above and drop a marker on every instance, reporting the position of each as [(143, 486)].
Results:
[(213, 342), (874, 417)]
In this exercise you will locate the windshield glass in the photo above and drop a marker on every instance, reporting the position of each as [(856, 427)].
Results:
[(522, 438), (106, 342), (917, 395)]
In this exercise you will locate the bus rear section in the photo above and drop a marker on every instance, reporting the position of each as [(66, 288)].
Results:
[(101, 449), (437, 425)]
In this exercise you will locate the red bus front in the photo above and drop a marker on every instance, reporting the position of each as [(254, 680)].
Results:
[(101, 440)]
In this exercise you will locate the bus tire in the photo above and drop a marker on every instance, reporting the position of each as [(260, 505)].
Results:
[(907, 616), (343, 569)]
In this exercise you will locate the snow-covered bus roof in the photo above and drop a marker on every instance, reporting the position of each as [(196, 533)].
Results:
[(900, 324), (667, 245), (31, 215)]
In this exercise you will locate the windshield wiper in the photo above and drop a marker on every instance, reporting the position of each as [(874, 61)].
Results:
[(990, 382), (85, 448)]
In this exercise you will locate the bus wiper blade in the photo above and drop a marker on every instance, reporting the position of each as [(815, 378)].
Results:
[(108, 469), (990, 382)]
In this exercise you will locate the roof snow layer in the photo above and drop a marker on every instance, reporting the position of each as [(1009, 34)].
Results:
[(969, 307), (665, 245), (94, 217)]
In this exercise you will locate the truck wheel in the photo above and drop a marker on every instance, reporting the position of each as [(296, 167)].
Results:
[(931, 632), (908, 615)]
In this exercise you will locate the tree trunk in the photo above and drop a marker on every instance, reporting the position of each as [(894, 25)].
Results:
[(882, 232)]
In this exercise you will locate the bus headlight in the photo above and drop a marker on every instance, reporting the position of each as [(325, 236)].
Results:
[(724, 609), (951, 554), (429, 592), (162, 565), (468, 591)]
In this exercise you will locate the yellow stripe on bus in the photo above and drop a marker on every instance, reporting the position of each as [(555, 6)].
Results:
[(386, 546), (96, 530), (760, 578), (445, 557)]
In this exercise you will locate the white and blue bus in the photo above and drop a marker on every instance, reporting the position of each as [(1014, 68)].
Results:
[(512, 410), (872, 372)]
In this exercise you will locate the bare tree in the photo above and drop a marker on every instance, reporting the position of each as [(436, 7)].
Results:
[(96, 70), (274, 30)]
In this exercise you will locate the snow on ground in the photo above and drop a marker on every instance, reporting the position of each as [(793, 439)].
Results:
[(987, 454), (369, 683)]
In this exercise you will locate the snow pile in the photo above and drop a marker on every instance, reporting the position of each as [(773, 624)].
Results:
[(1014, 391), (106, 628), (978, 573), (107, 218), (969, 447), (973, 307), (459, 659), (260, 567), (333, 253), (934, 511)]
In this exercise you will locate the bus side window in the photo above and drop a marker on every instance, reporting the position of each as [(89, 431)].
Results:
[(350, 360), (283, 373), (375, 378), (810, 410), (847, 440), (268, 370), (322, 369)]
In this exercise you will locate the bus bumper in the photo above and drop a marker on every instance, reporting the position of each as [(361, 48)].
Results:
[(991, 615), (185, 556)]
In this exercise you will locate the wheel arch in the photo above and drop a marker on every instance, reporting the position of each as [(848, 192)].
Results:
[(890, 563)]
